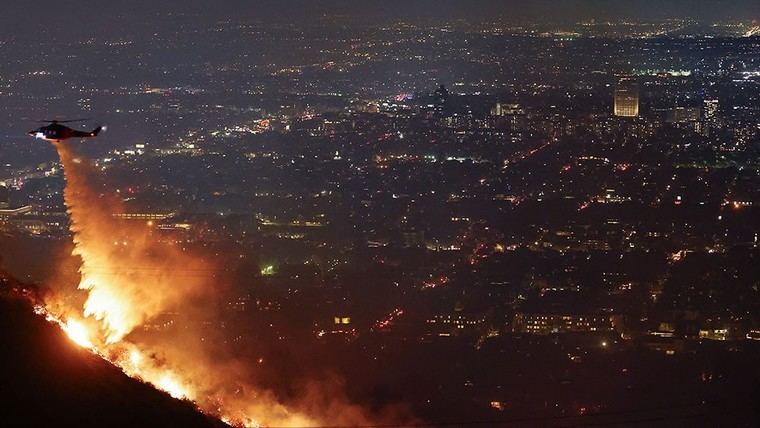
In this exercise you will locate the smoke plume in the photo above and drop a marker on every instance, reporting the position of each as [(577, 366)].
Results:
[(129, 279)]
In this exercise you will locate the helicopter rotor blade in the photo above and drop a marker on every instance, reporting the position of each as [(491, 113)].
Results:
[(63, 121)]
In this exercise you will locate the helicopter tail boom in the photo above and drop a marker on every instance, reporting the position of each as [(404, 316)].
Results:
[(93, 133)]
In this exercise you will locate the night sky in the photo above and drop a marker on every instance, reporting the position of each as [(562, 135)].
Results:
[(26, 16)]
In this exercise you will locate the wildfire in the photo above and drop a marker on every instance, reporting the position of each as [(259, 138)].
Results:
[(135, 357), (170, 384), (129, 285), (78, 333)]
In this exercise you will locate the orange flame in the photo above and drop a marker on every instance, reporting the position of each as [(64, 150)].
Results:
[(78, 333), (129, 283), (130, 279)]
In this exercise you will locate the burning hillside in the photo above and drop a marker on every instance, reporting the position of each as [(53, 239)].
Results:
[(49, 381), (128, 278)]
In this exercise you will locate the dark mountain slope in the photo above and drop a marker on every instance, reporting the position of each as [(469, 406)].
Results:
[(46, 380)]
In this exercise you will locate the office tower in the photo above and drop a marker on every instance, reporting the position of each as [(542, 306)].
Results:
[(626, 99)]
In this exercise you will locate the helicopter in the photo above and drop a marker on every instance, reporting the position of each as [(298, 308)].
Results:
[(54, 131)]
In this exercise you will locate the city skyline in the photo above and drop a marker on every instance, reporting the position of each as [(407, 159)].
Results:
[(312, 214)]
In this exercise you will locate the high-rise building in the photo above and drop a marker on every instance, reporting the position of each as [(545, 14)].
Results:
[(501, 109), (626, 99), (682, 114), (711, 107), (496, 110)]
